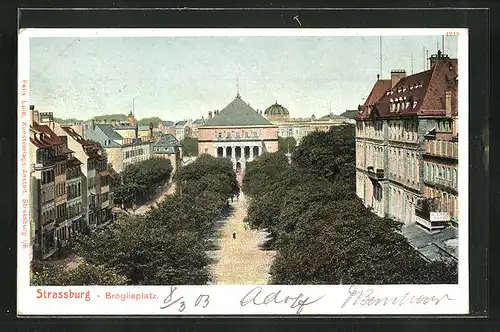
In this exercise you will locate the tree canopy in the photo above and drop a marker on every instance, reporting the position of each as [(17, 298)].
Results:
[(139, 179), (84, 274), (329, 154), (167, 245), (189, 146), (286, 144), (322, 232)]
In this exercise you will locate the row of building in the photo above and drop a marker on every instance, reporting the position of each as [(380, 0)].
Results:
[(69, 184), (70, 181), (126, 143), (407, 146), (241, 133)]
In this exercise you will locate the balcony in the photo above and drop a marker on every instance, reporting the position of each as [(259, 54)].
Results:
[(443, 182), (376, 174), (428, 220), (43, 164)]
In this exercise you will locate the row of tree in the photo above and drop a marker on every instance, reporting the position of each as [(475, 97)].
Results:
[(138, 181), (322, 232), (165, 246)]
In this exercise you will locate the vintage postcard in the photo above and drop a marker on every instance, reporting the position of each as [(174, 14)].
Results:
[(243, 172)]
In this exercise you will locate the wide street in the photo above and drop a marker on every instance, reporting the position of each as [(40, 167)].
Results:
[(240, 260)]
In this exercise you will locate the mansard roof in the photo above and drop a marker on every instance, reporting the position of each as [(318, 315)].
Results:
[(421, 94)]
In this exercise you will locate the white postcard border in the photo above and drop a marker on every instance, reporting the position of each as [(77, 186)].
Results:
[(227, 299)]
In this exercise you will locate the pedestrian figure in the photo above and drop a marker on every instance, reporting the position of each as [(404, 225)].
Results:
[(231, 198), (234, 235), (238, 196), (246, 227)]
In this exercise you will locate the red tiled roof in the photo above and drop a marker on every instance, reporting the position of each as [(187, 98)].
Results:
[(380, 87), (426, 88), (77, 137), (405, 90), (46, 137), (378, 90)]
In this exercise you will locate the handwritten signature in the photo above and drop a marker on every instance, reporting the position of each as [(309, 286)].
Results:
[(364, 298), (299, 301)]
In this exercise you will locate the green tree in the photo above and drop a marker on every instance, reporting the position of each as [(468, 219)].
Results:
[(286, 144), (138, 181), (189, 146), (336, 240), (262, 172), (84, 274), (147, 121), (213, 171), (147, 252), (329, 154)]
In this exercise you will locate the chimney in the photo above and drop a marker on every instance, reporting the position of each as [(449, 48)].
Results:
[(378, 77), (396, 76), (151, 129), (35, 115), (448, 103), (437, 57), (93, 124), (210, 114)]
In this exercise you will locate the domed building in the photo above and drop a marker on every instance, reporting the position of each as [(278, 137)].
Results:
[(276, 112)]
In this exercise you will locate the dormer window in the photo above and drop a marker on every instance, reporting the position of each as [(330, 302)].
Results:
[(411, 87), (414, 104)]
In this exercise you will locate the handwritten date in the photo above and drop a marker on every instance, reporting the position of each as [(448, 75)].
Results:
[(171, 299)]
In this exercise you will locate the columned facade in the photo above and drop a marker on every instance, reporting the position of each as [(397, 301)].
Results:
[(238, 151), (239, 133)]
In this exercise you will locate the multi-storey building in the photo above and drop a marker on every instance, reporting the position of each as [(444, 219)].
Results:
[(298, 128), (195, 125), (120, 151), (50, 157), (43, 211), (440, 176), (167, 127), (182, 129), (237, 132), (390, 130), (95, 191), (167, 146), (75, 209)]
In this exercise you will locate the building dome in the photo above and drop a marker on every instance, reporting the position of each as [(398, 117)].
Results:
[(276, 111)]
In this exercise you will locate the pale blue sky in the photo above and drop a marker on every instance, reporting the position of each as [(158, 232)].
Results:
[(177, 78)]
